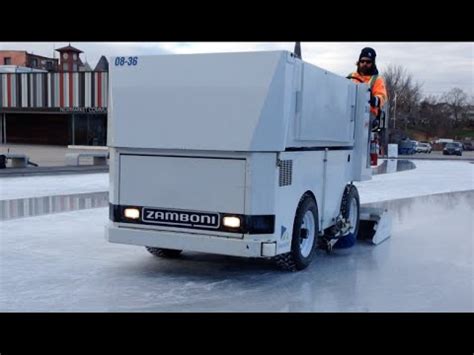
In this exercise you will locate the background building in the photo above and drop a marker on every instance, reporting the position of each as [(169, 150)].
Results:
[(29, 60), (60, 106)]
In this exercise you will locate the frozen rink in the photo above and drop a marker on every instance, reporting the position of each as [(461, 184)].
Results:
[(61, 262)]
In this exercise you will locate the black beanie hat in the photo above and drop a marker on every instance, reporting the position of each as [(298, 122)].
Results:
[(368, 52)]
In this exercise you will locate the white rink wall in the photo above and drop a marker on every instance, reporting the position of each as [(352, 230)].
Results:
[(429, 177)]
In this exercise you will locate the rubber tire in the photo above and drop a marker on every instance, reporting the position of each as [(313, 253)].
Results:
[(350, 193), (164, 253), (293, 260)]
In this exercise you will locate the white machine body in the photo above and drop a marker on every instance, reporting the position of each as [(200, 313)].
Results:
[(198, 139)]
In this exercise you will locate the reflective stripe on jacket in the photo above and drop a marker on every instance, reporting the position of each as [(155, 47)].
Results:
[(376, 84)]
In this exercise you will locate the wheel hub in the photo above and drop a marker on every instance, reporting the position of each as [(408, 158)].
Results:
[(307, 232)]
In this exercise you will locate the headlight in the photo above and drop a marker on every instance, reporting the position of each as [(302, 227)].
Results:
[(232, 222), (132, 213)]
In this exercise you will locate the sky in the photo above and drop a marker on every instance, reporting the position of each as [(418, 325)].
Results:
[(437, 66)]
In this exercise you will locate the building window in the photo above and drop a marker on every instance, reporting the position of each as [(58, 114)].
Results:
[(74, 67), (7, 61), (34, 62), (49, 65), (65, 67)]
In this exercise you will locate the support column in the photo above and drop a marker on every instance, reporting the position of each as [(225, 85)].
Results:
[(4, 128), (73, 126)]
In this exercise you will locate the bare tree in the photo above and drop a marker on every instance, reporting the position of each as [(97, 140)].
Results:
[(404, 95), (433, 113), (457, 101)]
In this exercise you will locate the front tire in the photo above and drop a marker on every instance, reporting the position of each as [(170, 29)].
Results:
[(304, 239), (350, 210), (164, 253)]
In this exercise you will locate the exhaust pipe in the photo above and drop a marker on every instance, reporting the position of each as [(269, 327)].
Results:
[(297, 50)]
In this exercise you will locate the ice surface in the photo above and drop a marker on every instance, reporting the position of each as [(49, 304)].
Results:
[(61, 262)]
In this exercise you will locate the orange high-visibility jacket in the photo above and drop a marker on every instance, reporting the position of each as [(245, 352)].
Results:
[(377, 86)]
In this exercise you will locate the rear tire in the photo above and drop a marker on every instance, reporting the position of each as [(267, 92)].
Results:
[(164, 253), (304, 239), (350, 209)]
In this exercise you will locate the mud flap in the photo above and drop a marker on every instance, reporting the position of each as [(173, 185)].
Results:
[(375, 224)]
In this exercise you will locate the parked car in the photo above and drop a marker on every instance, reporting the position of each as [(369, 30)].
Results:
[(468, 146), (444, 140), (454, 148), (423, 148), (407, 146)]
